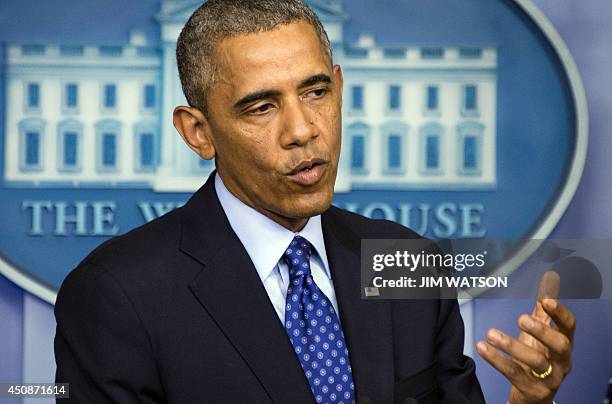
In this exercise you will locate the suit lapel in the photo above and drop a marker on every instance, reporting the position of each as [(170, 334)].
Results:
[(366, 324), (230, 290)]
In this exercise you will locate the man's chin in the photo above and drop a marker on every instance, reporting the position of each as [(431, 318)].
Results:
[(306, 209)]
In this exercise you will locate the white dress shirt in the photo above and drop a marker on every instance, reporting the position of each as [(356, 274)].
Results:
[(266, 241)]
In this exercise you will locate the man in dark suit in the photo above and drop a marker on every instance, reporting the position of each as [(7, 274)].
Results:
[(250, 293)]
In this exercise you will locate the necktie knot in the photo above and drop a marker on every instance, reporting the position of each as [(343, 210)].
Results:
[(297, 257)]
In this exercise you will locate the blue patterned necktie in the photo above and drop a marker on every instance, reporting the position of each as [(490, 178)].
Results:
[(315, 332)]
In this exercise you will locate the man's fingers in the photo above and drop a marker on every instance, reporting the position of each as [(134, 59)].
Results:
[(533, 358), (549, 287), (540, 314), (558, 344), (512, 371), (564, 319)]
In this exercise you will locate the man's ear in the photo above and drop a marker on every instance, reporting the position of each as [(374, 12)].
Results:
[(337, 71), (194, 128)]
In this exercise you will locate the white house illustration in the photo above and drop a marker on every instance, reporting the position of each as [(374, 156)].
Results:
[(101, 116)]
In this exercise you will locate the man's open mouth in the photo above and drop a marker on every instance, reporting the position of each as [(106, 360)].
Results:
[(308, 172)]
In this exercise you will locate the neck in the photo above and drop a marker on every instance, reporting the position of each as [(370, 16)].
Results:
[(293, 224)]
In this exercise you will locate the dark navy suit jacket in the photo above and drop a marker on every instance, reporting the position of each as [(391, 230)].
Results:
[(174, 312)]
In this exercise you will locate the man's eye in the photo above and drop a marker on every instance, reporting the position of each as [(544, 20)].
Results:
[(262, 109), (316, 93)]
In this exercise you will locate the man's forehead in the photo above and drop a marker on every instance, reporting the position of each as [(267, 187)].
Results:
[(289, 53)]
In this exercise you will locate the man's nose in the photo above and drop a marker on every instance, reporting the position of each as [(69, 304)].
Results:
[(299, 125)]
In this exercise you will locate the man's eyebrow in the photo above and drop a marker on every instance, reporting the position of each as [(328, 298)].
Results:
[(316, 79), (255, 96)]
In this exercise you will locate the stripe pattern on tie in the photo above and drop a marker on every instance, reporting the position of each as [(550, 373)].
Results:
[(315, 331)]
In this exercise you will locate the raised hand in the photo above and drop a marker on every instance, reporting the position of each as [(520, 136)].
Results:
[(540, 358)]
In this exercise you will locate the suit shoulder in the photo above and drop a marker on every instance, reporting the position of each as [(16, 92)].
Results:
[(144, 267), (142, 247), (371, 228)]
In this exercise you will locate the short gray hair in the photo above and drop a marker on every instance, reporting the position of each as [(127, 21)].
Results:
[(217, 20)]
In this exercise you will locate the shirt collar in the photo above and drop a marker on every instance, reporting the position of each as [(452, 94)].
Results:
[(265, 240)]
